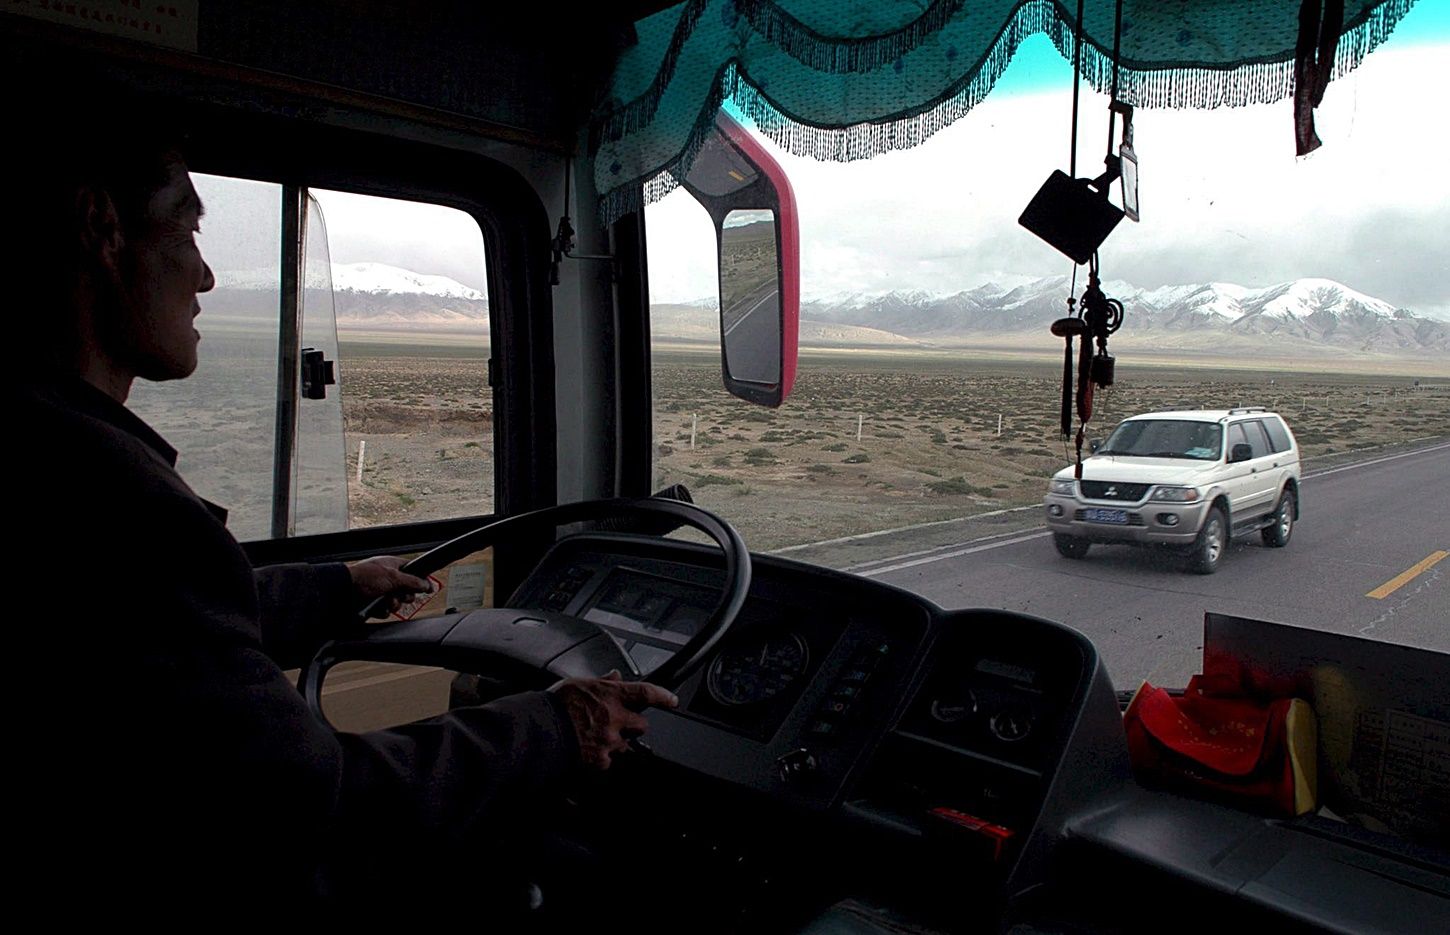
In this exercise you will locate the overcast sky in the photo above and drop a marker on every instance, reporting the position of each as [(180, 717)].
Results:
[(1223, 196)]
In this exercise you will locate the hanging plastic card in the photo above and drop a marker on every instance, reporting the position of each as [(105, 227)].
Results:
[(1129, 163)]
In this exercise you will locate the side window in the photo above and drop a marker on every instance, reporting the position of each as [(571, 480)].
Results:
[(1236, 436), (222, 419), (1257, 439), (393, 299), (698, 428), (408, 287), (1278, 435)]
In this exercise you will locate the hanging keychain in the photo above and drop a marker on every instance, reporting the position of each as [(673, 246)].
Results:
[(1101, 316), (1075, 216)]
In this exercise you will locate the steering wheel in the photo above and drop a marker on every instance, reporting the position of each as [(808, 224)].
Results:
[(530, 646)]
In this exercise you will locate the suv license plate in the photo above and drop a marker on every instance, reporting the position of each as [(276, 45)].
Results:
[(1120, 517)]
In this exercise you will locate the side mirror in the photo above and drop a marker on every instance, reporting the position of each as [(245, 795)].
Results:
[(1094, 445), (1240, 452), (750, 201)]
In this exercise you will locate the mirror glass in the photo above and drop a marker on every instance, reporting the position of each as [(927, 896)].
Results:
[(750, 296)]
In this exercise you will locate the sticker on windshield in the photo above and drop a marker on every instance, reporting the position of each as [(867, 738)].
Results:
[(1199, 452)]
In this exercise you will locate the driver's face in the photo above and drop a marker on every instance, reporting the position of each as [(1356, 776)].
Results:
[(160, 277)]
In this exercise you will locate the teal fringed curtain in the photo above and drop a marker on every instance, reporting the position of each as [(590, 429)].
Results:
[(847, 79)]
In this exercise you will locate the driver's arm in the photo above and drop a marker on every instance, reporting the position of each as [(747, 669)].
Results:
[(302, 606)]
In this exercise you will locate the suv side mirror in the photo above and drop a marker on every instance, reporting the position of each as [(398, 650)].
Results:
[(750, 201), (1241, 452), (1094, 445)]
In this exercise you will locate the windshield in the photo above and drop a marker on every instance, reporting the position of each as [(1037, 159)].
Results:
[(1165, 438), (918, 445)]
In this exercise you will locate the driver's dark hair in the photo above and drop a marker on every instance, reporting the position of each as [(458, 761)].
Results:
[(64, 135)]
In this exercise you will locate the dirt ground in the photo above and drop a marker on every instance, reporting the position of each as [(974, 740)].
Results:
[(425, 428), (871, 441), (928, 447)]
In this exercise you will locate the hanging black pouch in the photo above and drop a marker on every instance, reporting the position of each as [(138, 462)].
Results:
[(1071, 215)]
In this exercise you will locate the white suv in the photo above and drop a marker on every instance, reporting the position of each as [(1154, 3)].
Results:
[(1191, 479)]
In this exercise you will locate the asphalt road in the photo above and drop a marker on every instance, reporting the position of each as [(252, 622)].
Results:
[(1363, 528), (752, 335)]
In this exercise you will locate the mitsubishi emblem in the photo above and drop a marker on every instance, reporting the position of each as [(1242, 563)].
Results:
[(1110, 492)]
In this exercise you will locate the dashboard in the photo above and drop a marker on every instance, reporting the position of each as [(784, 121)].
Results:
[(854, 759), (841, 704)]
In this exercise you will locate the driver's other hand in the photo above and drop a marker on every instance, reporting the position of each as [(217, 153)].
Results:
[(605, 712), (381, 575)]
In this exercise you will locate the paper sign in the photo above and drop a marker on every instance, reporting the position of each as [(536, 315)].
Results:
[(170, 23), (466, 585)]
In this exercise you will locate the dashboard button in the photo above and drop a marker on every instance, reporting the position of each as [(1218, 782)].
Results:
[(795, 766), (825, 728), (867, 661)]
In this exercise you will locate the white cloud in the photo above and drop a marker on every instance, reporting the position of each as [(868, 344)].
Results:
[(1223, 196)]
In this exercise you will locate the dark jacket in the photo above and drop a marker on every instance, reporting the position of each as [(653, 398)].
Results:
[(165, 756)]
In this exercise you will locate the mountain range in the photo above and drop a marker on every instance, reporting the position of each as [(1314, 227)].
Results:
[(1302, 314), (1306, 316)]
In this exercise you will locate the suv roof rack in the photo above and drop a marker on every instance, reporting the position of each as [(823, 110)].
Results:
[(1240, 410)]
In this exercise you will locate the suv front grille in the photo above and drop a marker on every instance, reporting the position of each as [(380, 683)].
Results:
[(1108, 490)]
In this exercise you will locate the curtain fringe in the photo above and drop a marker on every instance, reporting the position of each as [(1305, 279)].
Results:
[(1187, 86)]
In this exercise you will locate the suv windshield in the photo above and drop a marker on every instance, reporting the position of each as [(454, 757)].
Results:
[(1165, 438)]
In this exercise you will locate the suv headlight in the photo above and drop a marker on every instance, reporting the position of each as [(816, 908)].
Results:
[(1066, 486), (1176, 494)]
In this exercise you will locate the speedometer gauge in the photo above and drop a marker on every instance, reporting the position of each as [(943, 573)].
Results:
[(757, 670)]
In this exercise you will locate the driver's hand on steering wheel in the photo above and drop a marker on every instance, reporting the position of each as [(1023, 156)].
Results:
[(605, 712), (382, 575)]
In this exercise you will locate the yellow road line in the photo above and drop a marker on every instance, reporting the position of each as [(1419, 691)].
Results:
[(1406, 576)]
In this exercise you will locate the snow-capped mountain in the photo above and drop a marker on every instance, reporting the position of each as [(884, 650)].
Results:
[(1303, 316), (365, 296), (1302, 313), (380, 278)]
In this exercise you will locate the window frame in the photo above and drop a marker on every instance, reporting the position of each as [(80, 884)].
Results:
[(514, 224)]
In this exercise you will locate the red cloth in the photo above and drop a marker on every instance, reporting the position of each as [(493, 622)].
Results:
[(1229, 744)]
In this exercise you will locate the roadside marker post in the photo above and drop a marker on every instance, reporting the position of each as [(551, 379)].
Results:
[(362, 451), (694, 426)]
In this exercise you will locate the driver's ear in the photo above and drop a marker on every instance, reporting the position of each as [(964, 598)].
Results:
[(100, 235)]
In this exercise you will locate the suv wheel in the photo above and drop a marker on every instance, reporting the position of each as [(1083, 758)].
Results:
[(1070, 546), (1277, 533), (1212, 540)]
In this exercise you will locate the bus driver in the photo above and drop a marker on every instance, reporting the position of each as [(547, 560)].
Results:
[(178, 762)]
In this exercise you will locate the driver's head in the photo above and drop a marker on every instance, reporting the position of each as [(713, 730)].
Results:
[(102, 240)]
